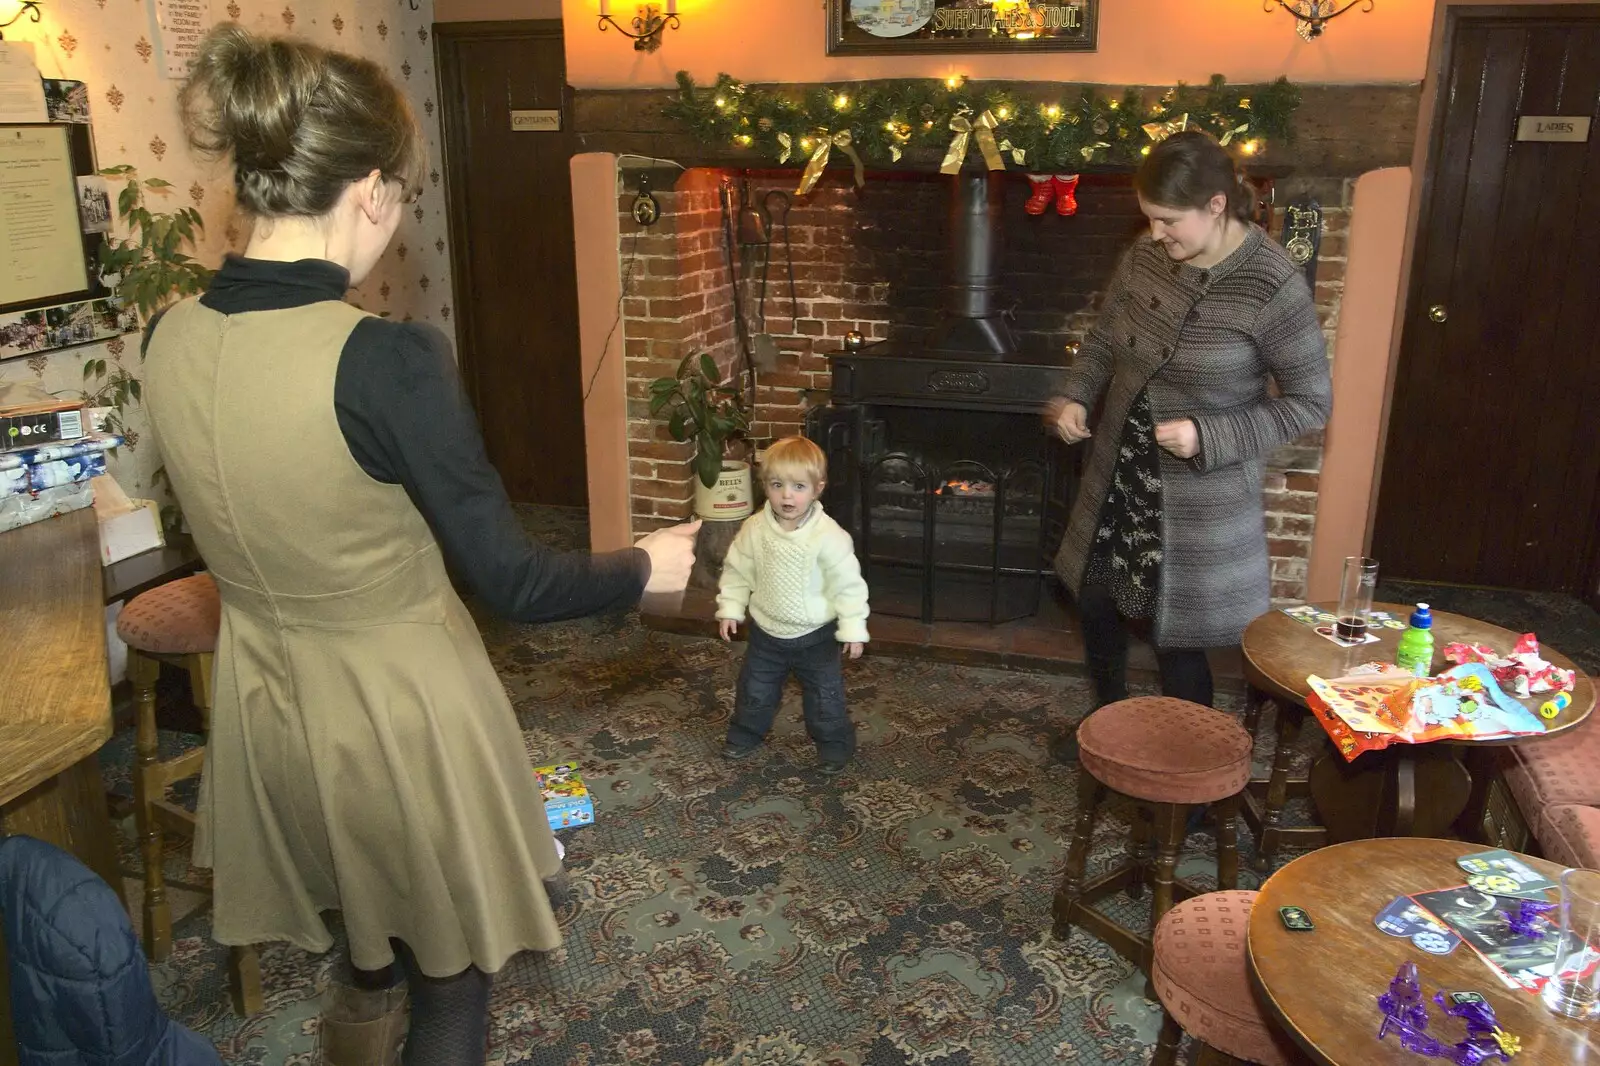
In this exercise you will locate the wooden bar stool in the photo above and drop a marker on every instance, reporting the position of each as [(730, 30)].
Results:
[(175, 623), (1201, 972), (1168, 755)]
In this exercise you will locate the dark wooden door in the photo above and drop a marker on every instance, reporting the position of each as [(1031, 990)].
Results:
[(511, 244), (1491, 473)]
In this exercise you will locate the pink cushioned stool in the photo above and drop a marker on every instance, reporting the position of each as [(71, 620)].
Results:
[(1202, 977), (177, 624), (1169, 755)]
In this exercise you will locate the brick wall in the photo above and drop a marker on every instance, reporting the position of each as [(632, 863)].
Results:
[(874, 261), (675, 300)]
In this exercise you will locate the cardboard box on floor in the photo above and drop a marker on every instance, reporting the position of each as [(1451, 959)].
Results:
[(127, 526)]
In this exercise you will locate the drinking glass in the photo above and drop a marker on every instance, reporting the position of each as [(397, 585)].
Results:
[(1356, 587), (1574, 985)]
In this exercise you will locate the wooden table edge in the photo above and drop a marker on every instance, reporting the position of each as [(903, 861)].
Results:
[(82, 741), (1279, 1018)]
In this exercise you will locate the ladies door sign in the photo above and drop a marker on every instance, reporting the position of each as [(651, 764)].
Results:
[(1570, 128)]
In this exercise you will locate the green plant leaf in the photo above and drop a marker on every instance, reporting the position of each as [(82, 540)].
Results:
[(708, 368), (676, 427), (707, 463), (157, 183)]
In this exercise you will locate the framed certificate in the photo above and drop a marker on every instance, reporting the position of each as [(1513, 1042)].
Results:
[(50, 222), (909, 27)]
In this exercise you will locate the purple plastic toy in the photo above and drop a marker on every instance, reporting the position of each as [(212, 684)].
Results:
[(1526, 921), (1405, 1013)]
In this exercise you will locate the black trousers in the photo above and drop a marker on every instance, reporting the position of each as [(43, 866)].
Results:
[(1185, 672), (813, 658)]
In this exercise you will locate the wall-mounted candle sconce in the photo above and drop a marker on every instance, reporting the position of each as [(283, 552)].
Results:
[(647, 24), (1311, 15), (29, 7)]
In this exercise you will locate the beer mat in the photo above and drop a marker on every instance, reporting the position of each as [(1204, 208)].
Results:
[(1322, 624)]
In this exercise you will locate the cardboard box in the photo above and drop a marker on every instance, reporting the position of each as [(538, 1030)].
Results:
[(567, 802), (45, 427), (127, 526)]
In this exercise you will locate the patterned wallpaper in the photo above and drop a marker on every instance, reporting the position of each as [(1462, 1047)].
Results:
[(108, 44)]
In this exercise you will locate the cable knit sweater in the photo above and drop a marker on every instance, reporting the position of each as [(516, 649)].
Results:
[(794, 582)]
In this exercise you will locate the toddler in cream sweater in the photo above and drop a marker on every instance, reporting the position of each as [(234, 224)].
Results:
[(795, 570)]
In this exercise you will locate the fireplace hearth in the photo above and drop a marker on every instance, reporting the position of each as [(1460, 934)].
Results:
[(939, 463)]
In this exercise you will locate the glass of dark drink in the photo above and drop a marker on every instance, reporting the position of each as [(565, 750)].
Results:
[(1359, 581)]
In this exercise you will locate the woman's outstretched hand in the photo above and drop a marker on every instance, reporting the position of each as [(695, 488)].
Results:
[(1069, 419), (1180, 437), (671, 552)]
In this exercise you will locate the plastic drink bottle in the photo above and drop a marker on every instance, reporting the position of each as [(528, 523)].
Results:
[(1415, 653)]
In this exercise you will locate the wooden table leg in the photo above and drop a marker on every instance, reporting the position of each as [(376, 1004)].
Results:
[(1403, 790), (1288, 731)]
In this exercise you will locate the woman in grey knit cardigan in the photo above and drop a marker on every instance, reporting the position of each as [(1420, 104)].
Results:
[(1167, 529)]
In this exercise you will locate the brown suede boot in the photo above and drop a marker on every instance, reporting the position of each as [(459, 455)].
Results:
[(362, 1027)]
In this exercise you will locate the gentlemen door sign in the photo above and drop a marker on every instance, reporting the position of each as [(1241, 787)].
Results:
[(539, 121), (1553, 128)]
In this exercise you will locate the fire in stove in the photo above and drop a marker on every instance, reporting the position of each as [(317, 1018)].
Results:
[(961, 487)]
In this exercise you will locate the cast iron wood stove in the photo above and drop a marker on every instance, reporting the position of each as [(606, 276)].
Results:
[(938, 460)]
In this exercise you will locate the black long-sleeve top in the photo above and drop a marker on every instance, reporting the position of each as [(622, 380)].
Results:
[(406, 420)]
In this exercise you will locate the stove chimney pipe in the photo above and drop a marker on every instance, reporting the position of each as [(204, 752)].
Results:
[(970, 325)]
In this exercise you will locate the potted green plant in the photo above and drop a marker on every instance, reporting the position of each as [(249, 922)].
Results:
[(148, 270), (701, 406)]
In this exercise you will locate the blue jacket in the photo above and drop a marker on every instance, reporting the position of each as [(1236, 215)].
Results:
[(80, 988)]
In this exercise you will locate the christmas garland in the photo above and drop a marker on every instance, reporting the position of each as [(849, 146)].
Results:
[(881, 121)]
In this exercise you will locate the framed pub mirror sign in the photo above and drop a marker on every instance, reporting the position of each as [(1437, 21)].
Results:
[(912, 27)]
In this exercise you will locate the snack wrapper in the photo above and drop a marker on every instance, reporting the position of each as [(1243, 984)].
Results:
[(1522, 673), (1380, 704)]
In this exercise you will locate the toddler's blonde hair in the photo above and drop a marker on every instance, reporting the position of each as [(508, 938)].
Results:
[(795, 456)]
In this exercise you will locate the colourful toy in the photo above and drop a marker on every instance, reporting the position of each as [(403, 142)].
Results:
[(1555, 705)]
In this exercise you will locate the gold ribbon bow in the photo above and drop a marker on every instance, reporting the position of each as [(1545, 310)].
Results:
[(819, 159), (1018, 155), (1160, 131), (983, 126), (787, 143), (1226, 137), (1088, 150)]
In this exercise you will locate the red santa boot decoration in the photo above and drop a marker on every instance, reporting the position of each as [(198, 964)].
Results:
[(1044, 190), (1066, 202)]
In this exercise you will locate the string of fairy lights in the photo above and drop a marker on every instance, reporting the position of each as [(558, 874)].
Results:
[(880, 122)]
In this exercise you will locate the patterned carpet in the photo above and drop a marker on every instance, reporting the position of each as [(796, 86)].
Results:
[(758, 912)]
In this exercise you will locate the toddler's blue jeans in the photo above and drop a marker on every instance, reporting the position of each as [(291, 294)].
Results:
[(814, 658)]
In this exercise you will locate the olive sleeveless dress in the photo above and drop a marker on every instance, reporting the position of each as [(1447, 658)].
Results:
[(363, 755)]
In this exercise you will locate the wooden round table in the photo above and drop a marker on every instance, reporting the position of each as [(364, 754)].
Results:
[(1401, 790), (1322, 986)]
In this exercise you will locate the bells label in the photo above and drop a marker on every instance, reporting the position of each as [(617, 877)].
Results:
[(1553, 128)]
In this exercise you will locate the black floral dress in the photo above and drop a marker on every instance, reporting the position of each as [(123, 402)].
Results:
[(1126, 554)]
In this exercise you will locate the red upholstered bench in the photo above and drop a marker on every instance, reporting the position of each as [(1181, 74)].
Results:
[(1556, 784)]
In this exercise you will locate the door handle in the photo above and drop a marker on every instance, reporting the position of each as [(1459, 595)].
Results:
[(1438, 313)]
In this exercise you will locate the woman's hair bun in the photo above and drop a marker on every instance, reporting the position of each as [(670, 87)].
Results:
[(299, 121), (247, 95)]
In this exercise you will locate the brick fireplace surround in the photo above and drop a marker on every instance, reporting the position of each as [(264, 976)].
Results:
[(875, 261)]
